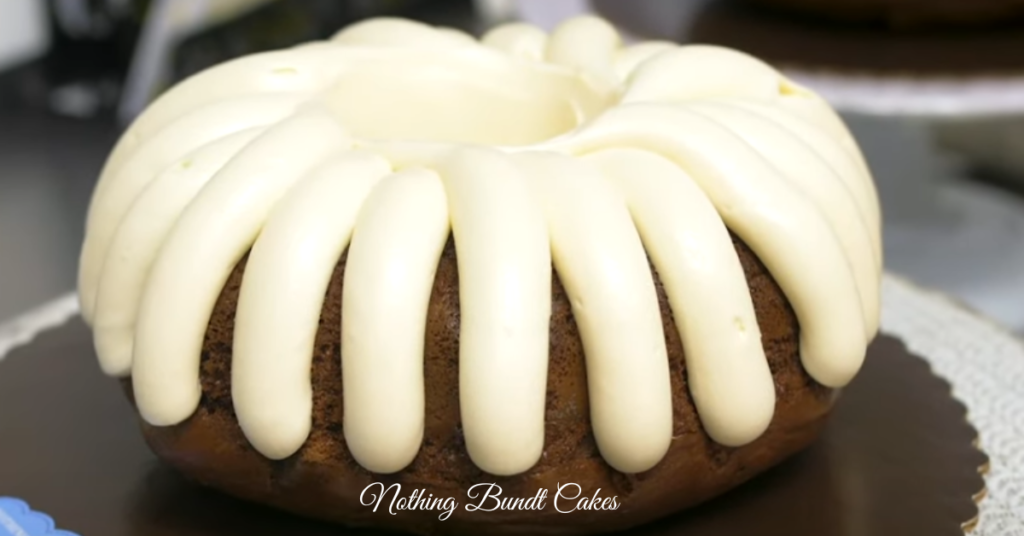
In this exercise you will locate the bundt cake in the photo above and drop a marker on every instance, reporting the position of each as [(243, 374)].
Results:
[(526, 284)]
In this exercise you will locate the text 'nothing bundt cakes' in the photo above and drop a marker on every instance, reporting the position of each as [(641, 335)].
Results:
[(612, 281)]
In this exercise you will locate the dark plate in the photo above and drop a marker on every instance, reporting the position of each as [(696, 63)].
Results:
[(897, 458)]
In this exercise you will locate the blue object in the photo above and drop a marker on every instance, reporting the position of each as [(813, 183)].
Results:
[(17, 519)]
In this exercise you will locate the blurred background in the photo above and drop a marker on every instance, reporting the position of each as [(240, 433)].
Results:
[(932, 89)]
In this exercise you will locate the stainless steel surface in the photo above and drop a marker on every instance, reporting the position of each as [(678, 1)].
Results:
[(943, 229), (48, 167)]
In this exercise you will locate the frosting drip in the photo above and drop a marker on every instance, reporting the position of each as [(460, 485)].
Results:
[(599, 159), (389, 276), (505, 305), (598, 255), (279, 304)]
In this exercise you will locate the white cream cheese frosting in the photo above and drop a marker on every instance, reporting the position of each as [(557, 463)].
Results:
[(389, 276), (279, 303), (505, 305), (533, 151)]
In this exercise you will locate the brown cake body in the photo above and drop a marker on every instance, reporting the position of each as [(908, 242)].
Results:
[(323, 481)]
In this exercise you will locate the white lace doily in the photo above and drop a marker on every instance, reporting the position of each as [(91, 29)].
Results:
[(982, 361), (985, 365)]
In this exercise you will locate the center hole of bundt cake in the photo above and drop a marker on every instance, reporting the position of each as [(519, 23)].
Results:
[(470, 100)]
